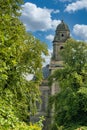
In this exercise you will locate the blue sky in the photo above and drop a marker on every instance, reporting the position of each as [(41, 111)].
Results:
[(42, 16)]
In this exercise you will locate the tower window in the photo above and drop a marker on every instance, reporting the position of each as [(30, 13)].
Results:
[(62, 35), (61, 47)]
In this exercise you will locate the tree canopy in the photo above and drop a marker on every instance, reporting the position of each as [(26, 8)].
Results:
[(20, 55), (71, 102)]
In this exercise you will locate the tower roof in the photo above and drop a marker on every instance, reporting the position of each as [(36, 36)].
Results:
[(62, 33), (62, 27)]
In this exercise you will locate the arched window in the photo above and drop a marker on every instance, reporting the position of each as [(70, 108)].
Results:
[(62, 35), (61, 47)]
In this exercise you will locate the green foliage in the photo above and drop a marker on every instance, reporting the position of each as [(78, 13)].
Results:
[(76, 54), (82, 128), (23, 126), (10, 7), (7, 116), (20, 55), (70, 104)]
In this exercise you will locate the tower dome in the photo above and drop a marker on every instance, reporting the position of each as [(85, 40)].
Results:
[(61, 35), (62, 32), (62, 27)]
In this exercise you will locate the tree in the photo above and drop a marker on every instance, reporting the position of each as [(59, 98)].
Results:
[(20, 54), (71, 102)]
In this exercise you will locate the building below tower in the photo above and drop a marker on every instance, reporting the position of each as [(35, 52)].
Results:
[(62, 33)]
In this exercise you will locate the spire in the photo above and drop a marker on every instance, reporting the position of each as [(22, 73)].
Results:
[(62, 21)]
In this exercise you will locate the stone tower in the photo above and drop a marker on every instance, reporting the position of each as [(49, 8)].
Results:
[(62, 33)]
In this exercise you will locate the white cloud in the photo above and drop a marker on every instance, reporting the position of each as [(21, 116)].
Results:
[(28, 77), (78, 5), (55, 23), (56, 11), (50, 37), (36, 18), (80, 31)]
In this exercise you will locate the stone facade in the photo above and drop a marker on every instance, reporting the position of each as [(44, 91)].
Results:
[(62, 33)]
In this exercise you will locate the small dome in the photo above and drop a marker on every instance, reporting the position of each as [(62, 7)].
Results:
[(62, 33), (62, 27)]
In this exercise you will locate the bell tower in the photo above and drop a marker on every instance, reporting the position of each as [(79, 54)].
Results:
[(62, 33)]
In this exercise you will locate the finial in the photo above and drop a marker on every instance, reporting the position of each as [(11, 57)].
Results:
[(62, 21)]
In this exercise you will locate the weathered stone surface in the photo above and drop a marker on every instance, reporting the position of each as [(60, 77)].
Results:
[(61, 35)]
